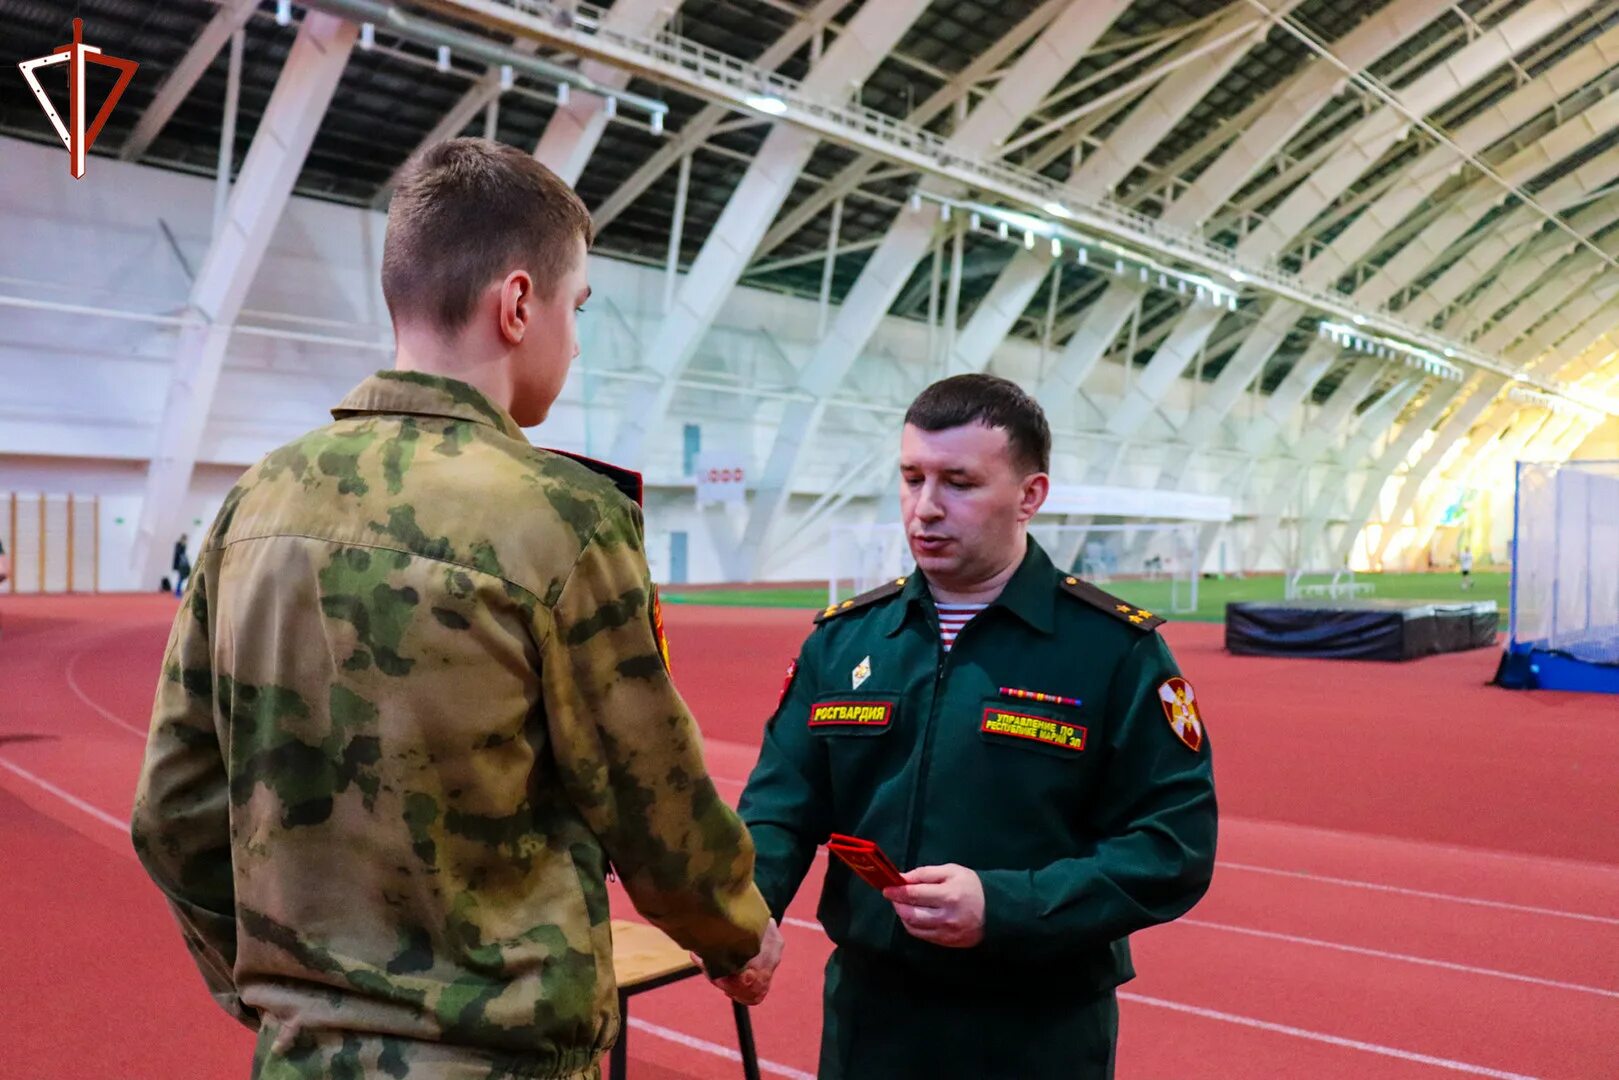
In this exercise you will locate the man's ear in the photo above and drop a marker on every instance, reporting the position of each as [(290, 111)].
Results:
[(516, 306), (1036, 486)]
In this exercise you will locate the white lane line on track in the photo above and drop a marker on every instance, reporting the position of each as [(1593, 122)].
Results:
[(1379, 954), (1452, 898), (717, 1049), (110, 717), (782, 1070), (1302, 1033), (669, 1034), (72, 800), (1353, 883), (1500, 905), (1322, 1037)]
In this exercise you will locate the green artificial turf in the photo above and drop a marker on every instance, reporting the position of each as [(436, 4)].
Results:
[(1213, 595)]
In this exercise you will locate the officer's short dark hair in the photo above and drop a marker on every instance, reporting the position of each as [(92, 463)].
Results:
[(993, 402), (466, 213)]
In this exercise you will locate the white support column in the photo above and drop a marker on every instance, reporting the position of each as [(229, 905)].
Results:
[(868, 39), (1578, 432), (1299, 99), (1516, 271), (1482, 449), (1301, 379), (995, 315), (227, 130), (991, 319), (1393, 456), (1364, 432), (1541, 446), (1356, 383), (677, 233), (1041, 66), (1482, 388), (573, 131), (183, 77), (1204, 422), (291, 120)]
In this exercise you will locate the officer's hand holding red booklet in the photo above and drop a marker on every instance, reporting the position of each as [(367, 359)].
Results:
[(866, 859)]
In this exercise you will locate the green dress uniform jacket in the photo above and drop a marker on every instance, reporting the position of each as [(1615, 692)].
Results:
[(1054, 749), (414, 702)]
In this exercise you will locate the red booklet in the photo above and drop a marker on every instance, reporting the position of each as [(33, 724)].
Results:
[(866, 859)]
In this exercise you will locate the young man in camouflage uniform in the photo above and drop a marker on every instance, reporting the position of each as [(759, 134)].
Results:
[(1019, 742), (415, 708)]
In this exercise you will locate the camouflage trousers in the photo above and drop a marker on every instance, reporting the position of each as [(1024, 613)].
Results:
[(349, 1055)]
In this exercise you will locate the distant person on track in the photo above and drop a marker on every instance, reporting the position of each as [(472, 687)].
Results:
[(1467, 568), (181, 565), (417, 707), (1020, 740), (5, 564)]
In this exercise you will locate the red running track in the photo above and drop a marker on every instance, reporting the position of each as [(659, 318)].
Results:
[(1419, 875)]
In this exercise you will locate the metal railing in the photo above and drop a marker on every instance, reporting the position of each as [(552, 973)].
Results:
[(679, 62)]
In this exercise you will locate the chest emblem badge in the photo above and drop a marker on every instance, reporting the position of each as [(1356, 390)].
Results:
[(862, 672)]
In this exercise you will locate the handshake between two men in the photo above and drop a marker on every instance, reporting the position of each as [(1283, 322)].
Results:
[(943, 905)]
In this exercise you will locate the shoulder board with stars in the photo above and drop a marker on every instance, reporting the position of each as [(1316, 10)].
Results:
[(1140, 618), (870, 596)]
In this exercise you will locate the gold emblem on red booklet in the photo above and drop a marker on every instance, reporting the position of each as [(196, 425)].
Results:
[(1180, 706), (657, 629)]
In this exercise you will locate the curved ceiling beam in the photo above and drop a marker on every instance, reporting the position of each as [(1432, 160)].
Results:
[(1301, 97), (731, 242), (954, 94), (696, 131), (573, 131), (1041, 66)]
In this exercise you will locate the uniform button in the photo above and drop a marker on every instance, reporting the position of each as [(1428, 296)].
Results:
[(1072, 580)]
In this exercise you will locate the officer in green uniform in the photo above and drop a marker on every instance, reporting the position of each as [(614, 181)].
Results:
[(1018, 741)]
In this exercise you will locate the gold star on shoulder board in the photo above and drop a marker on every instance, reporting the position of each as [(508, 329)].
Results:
[(1124, 608)]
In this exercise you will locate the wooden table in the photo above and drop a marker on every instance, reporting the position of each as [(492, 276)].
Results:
[(645, 958)]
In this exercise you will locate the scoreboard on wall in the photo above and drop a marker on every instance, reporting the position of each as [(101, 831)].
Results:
[(721, 478)]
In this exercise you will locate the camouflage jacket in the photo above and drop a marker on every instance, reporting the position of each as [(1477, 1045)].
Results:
[(412, 712)]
